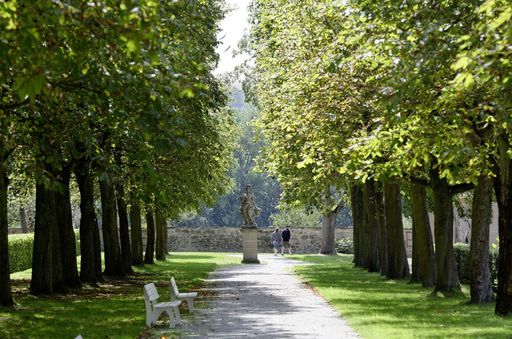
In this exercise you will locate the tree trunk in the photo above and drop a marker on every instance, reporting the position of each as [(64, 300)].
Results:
[(160, 235), (371, 235), (124, 231), (423, 236), (113, 264), (447, 277), (415, 269), (47, 275), (356, 199), (479, 274), (23, 219), (5, 278), (504, 196), (150, 241), (327, 245), (136, 233), (166, 238), (328, 228), (64, 220), (382, 226), (89, 233), (398, 265)]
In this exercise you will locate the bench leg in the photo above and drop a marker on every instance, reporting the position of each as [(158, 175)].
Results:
[(172, 319), (190, 303), (151, 318), (177, 315)]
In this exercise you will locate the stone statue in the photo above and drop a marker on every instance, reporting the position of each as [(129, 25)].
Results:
[(249, 209)]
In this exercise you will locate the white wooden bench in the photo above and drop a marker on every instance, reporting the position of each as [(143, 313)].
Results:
[(154, 309), (188, 297)]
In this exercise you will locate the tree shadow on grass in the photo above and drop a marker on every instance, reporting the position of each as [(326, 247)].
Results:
[(115, 309), (373, 304)]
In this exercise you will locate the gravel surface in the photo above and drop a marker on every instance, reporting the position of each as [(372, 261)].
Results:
[(264, 301)]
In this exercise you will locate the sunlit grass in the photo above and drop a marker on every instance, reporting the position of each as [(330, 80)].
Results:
[(374, 306), (380, 308), (113, 310)]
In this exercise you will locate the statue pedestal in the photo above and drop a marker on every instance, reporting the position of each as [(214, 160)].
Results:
[(250, 244)]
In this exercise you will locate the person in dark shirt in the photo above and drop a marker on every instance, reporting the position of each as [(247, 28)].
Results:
[(286, 234), (277, 241)]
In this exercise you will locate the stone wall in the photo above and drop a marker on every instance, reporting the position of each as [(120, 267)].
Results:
[(462, 226), (17, 230), (229, 239), (408, 241)]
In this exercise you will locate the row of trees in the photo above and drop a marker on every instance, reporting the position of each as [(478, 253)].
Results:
[(381, 99), (121, 96)]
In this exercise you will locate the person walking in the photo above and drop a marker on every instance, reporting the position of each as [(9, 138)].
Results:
[(286, 240), (277, 241)]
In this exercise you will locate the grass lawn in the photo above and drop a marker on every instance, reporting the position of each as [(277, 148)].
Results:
[(380, 308), (114, 310)]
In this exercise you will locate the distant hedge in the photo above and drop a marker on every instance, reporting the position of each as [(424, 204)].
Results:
[(20, 251), (462, 258), (345, 246)]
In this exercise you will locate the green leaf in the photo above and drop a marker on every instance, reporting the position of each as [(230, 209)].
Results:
[(131, 46), (465, 79), (469, 81), (504, 17), (29, 87), (187, 92), (461, 63), (182, 142)]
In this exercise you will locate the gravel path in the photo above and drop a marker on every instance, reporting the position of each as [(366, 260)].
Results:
[(264, 301)]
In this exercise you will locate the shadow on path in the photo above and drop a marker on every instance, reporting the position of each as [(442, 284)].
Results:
[(263, 301)]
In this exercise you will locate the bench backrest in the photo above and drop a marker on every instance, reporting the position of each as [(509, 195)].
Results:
[(174, 289), (150, 296)]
